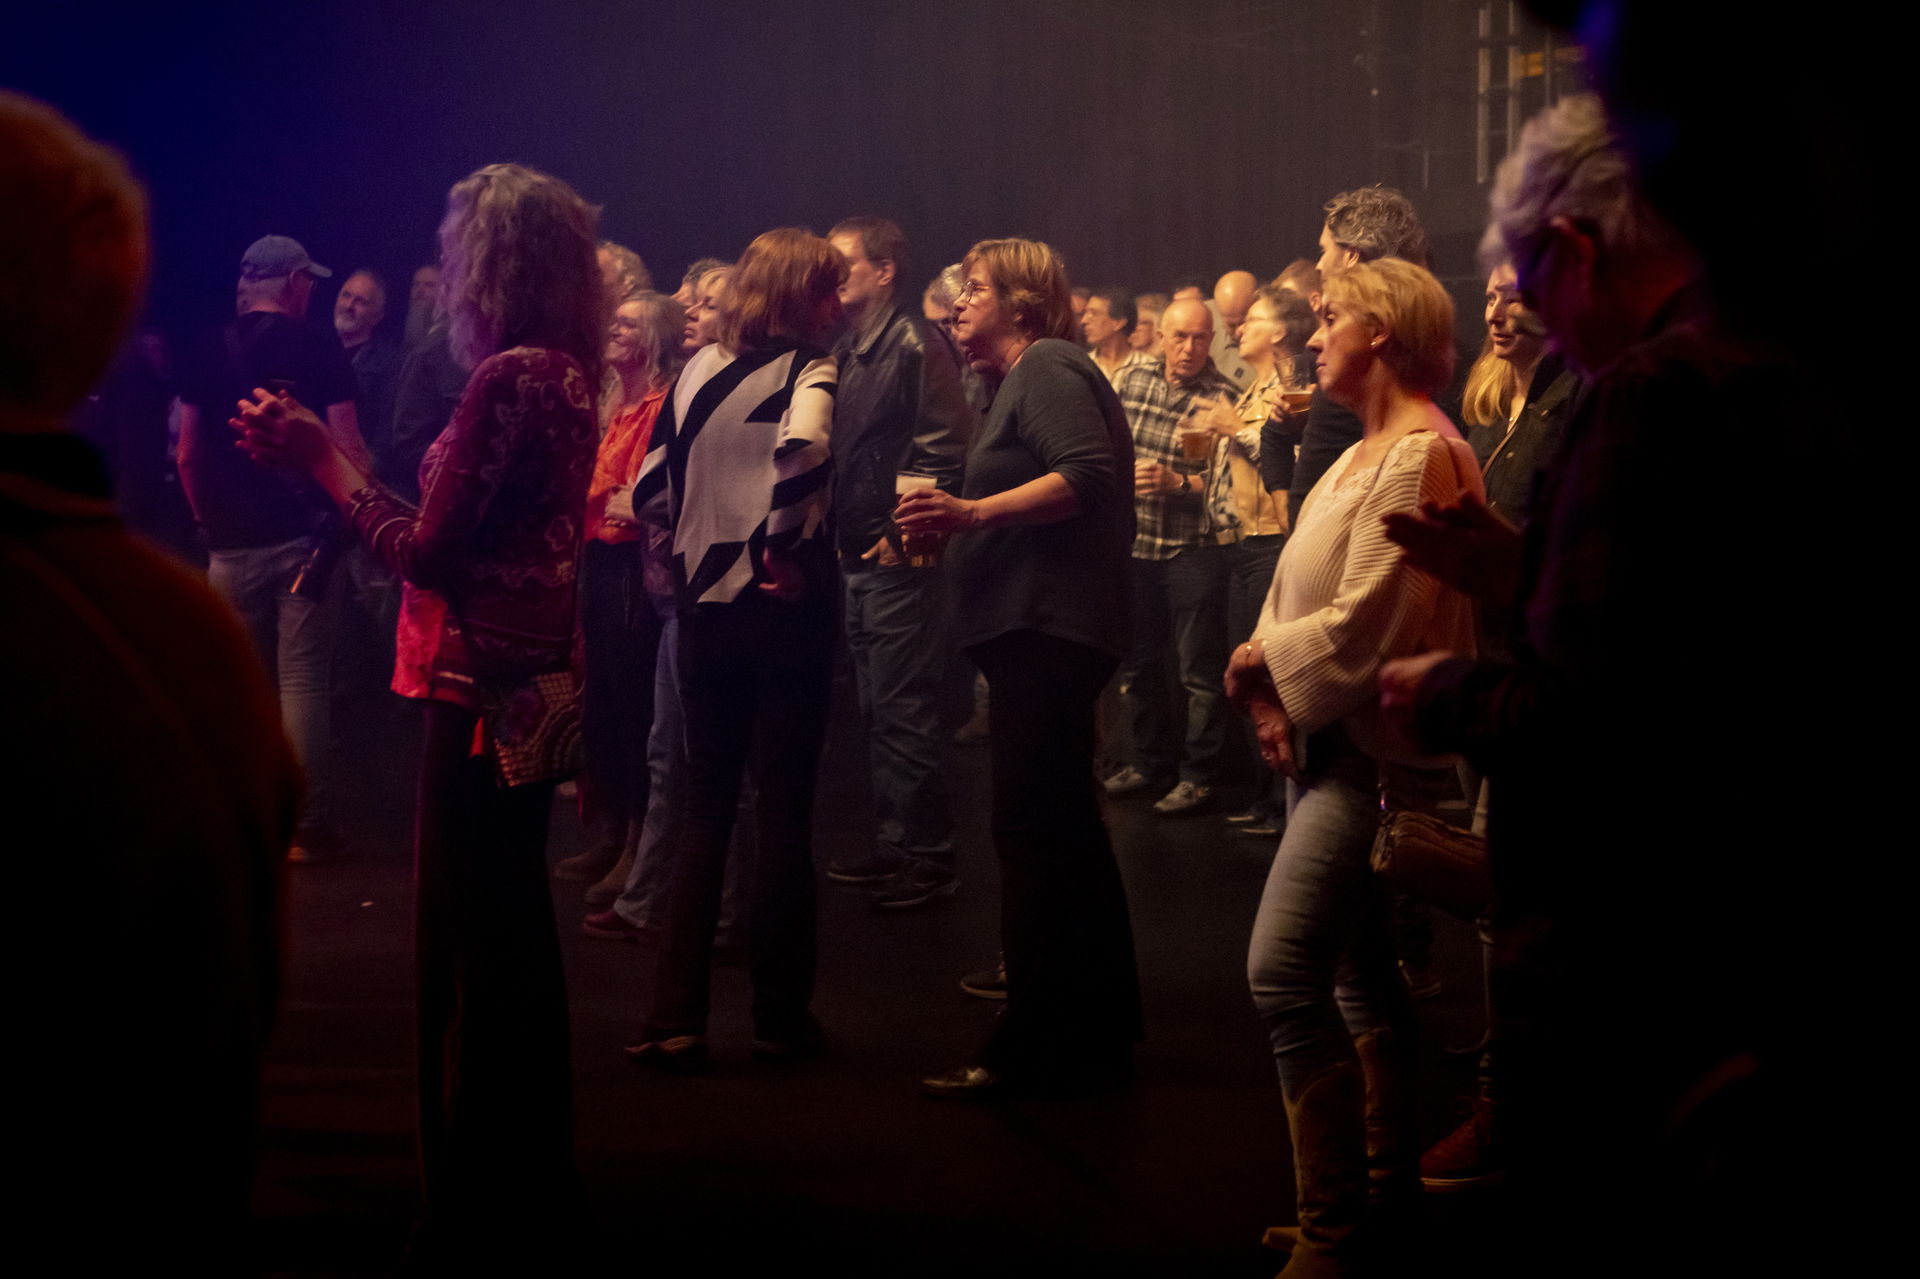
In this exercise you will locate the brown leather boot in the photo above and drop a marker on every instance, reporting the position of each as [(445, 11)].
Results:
[(1330, 1174), (1393, 1152)]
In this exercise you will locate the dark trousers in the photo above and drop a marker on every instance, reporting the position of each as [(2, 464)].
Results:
[(1251, 563), (1179, 611), (1073, 992), (496, 1082), (621, 631), (754, 681)]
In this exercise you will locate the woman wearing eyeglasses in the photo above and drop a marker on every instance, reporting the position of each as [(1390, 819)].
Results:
[(1041, 536)]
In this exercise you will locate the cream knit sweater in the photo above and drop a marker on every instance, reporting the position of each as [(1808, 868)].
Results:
[(1342, 601)]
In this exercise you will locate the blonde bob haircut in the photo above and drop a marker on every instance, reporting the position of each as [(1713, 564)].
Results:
[(1406, 304), (1032, 280), (773, 297)]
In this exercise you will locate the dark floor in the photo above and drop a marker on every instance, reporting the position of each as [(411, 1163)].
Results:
[(836, 1164)]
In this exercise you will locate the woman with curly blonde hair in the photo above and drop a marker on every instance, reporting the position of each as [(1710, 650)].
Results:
[(490, 558)]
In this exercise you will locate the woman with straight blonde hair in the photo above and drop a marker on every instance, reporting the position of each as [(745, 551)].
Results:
[(738, 470), (1321, 964)]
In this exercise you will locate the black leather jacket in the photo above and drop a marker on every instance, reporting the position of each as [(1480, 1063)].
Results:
[(898, 407)]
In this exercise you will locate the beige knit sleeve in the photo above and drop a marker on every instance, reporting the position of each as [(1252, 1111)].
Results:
[(1325, 662)]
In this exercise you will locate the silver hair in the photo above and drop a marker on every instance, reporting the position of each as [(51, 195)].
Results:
[(945, 287), (1570, 164)]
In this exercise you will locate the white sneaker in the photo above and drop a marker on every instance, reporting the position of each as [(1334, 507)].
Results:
[(1184, 798)]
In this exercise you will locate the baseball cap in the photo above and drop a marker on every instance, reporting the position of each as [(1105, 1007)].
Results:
[(272, 256)]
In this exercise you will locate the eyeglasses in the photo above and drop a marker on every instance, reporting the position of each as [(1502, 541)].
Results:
[(969, 289)]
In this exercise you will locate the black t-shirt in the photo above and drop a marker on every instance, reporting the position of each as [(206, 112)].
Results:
[(243, 503)]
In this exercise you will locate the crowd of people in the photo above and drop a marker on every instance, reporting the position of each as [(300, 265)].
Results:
[(626, 528)]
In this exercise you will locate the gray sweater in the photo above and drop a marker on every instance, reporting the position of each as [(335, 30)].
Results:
[(1055, 412)]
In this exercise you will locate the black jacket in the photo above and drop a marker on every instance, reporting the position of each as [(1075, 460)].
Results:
[(899, 407)]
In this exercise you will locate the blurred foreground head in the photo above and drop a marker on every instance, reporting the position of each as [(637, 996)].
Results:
[(73, 260)]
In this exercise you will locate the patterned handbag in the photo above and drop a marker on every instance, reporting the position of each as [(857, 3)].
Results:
[(534, 727)]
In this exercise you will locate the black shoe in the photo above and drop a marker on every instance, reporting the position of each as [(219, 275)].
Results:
[(990, 983), (1262, 827), (914, 887), (969, 1083), (870, 869), (804, 1041)]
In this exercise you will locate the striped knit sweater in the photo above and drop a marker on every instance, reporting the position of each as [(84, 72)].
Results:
[(739, 464), (1342, 601)]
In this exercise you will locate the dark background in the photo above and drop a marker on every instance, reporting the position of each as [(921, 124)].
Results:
[(1144, 140)]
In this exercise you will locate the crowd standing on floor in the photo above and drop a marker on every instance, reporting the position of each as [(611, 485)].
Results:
[(650, 515)]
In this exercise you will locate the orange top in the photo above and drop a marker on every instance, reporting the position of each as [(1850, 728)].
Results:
[(622, 449)]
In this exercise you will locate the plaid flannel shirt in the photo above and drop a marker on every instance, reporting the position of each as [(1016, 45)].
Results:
[(1165, 526)]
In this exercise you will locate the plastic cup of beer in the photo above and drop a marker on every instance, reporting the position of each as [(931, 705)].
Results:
[(1296, 401), (922, 550), (1196, 442)]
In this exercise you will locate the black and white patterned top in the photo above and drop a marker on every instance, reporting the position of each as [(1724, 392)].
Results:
[(739, 459)]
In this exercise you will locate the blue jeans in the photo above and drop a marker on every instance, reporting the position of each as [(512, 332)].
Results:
[(897, 631), (642, 902), (294, 637), (1179, 604), (1321, 964)]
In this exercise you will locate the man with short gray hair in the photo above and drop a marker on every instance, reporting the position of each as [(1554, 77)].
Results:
[(1638, 591)]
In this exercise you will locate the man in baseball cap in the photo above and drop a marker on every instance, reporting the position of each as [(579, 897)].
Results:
[(272, 256), (270, 543)]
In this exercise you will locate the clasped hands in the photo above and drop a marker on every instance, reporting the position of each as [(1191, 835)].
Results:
[(278, 430), (1249, 685)]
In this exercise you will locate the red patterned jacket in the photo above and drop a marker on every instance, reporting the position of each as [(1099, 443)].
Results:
[(491, 555)]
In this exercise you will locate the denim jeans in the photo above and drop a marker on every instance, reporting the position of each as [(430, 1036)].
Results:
[(896, 621), (1179, 604), (642, 902), (294, 637), (1321, 964)]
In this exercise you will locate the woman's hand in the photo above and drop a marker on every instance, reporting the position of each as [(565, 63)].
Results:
[(1468, 546), (1217, 415), (1247, 673), (277, 430), (619, 509), (785, 582), (1274, 731), (1400, 681), (932, 510)]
